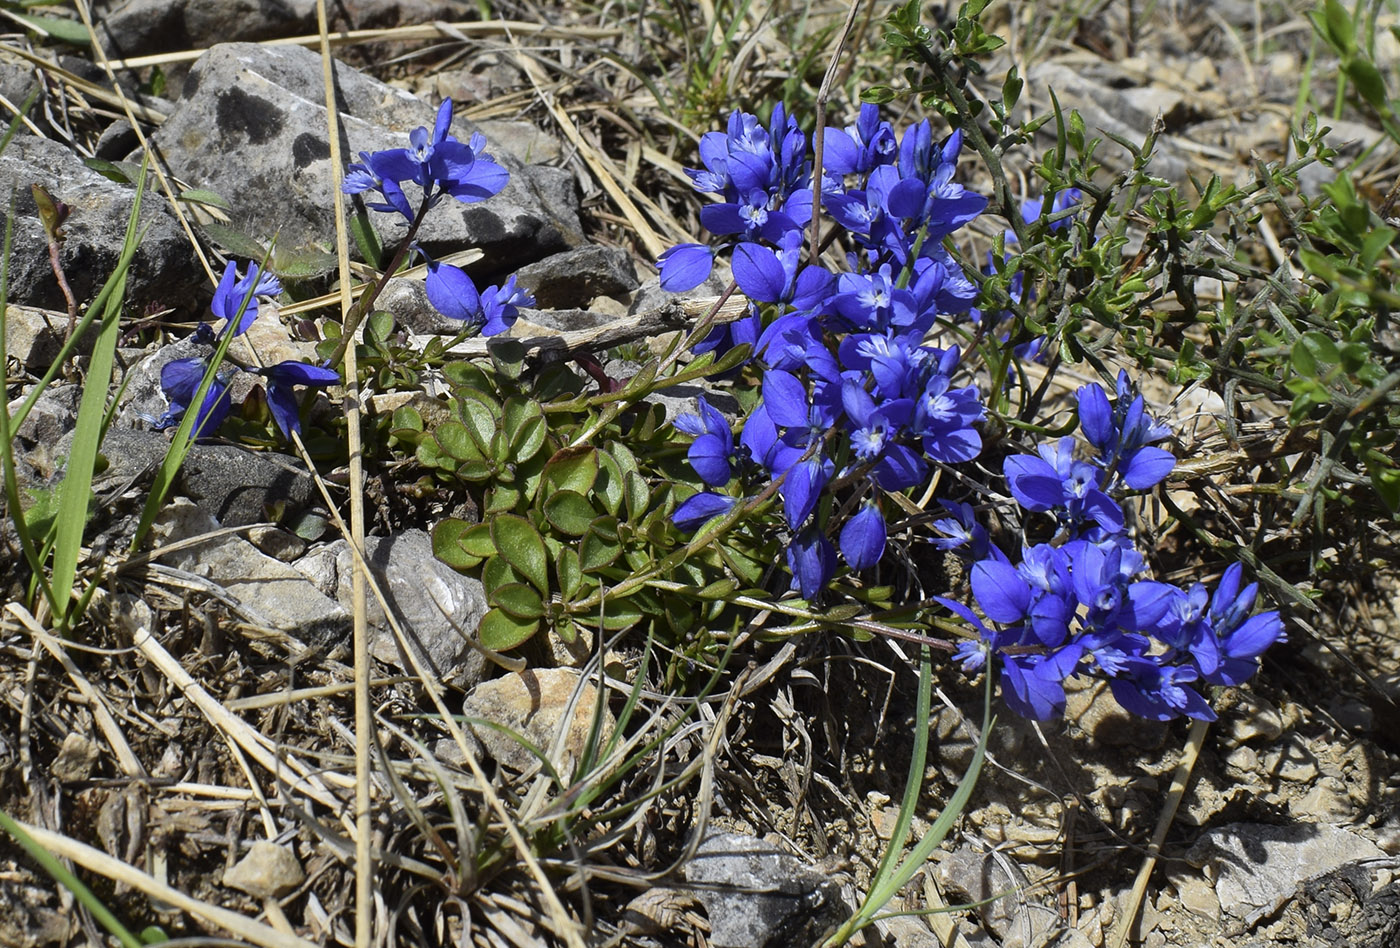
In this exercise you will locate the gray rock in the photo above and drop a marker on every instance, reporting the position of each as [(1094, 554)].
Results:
[(532, 704), (1258, 867), (267, 589), (975, 874), (525, 140), (250, 126), (52, 416), (136, 27), (268, 871), (164, 270), (574, 277), (436, 606), (237, 486), (34, 336), (757, 895)]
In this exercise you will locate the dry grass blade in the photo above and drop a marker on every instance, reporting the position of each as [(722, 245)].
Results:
[(398, 34), (234, 728), (598, 163), (1123, 929), (364, 720), (98, 862), (130, 765)]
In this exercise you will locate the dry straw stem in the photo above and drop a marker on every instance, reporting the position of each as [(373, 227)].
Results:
[(680, 314), (563, 925), (96, 861), (1128, 920), (364, 716), (600, 164), (106, 722), (399, 34)]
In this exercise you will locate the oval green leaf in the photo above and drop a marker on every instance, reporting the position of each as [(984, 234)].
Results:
[(523, 547), (519, 600), (569, 512), (501, 631)]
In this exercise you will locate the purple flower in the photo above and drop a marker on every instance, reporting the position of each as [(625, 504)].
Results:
[(1056, 482), (812, 560), (700, 509), (232, 290), (1122, 433), (454, 295), (437, 162), (863, 537), (179, 380), (685, 266), (281, 378), (711, 454)]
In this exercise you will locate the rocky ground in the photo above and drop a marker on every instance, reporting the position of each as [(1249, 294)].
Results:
[(211, 688)]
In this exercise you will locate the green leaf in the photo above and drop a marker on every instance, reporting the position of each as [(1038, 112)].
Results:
[(201, 196), (519, 600), (453, 438), (523, 547), (573, 468), (570, 573), (63, 30), (525, 426), (600, 546), (1338, 28), (367, 239), (609, 486), (480, 423), (503, 498), (303, 264), (406, 418), (638, 495), (500, 631), (235, 242), (569, 512), (1367, 79), (379, 326), (122, 172), (462, 545), (1386, 481)]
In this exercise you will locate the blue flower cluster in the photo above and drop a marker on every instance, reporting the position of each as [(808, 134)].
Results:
[(851, 393), (856, 404), (1082, 604), (180, 378), (441, 166)]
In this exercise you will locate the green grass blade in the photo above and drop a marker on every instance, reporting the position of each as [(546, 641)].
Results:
[(894, 874), (7, 447), (75, 493), (184, 433), (72, 883)]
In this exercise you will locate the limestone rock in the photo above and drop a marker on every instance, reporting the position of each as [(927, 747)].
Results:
[(250, 126), (533, 704), (267, 872)]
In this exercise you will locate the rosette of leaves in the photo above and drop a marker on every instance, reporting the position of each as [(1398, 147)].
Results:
[(576, 536)]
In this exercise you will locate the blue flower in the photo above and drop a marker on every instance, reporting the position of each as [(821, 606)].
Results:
[(1056, 482), (1122, 433), (440, 164), (454, 295), (179, 380), (701, 508), (812, 560), (281, 378), (685, 266), (711, 454), (863, 537), (232, 290)]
